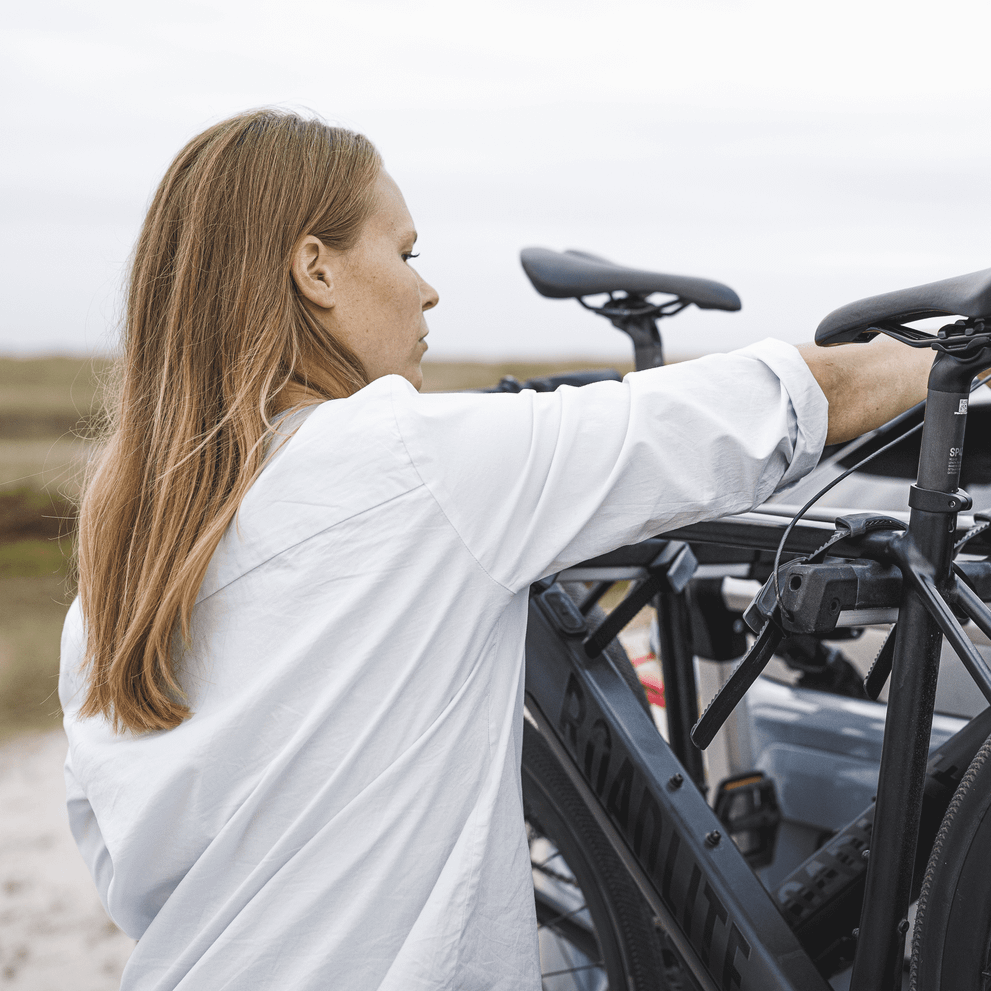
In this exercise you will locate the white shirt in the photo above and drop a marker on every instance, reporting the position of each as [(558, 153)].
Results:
[(343, 808)]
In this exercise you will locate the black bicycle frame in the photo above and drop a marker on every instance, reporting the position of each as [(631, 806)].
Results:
[(718, 916), (915, 667)]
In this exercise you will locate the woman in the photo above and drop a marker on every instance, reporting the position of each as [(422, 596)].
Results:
[(292, 681)]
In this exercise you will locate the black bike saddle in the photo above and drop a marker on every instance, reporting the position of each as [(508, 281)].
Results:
[(963, 296), (570, 274)]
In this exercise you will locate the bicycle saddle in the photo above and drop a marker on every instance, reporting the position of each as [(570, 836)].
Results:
[(964, 296), (569, 274)]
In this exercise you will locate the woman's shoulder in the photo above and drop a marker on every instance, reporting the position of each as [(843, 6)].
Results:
[(360, 418), (390, 406)]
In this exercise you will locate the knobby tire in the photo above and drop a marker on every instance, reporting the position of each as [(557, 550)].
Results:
[(951, 948)]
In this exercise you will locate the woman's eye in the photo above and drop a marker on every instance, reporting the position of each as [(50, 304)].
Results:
[(407, 255)]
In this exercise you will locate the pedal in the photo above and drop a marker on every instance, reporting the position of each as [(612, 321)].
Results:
[(747, 805)]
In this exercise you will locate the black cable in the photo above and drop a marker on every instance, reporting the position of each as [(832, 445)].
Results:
[(870, 457)]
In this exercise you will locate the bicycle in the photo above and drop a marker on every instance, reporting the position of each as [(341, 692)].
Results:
[(635, 878)]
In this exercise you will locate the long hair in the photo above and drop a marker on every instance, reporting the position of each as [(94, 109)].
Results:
[(217, 341)]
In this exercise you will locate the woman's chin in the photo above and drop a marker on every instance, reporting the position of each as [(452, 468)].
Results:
[(415, 377)]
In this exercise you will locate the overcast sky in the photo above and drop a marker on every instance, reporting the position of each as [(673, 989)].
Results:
[(805, 154)]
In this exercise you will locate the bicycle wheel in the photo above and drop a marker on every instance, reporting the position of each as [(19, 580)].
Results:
[(596, 931), (951, 949)]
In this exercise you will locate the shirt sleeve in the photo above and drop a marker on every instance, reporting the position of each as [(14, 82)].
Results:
[(86, 832), (82, 819), (536, 482)]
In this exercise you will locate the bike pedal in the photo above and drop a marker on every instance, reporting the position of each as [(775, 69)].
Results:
[(747, 805)]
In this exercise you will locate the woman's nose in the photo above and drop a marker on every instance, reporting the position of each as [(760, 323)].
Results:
[(428, 295)]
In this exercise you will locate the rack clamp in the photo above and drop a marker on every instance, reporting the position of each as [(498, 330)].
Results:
[(805, 581), (933, 501), (670, 571)]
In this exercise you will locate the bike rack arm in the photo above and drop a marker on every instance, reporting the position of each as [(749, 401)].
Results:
[(729, 696)]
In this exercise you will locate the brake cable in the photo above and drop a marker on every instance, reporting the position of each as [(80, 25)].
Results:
[(870, 457)]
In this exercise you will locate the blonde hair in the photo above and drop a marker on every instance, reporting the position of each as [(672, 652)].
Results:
[(217, 341)]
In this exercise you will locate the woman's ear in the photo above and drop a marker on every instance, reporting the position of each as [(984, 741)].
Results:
[(311, 271)]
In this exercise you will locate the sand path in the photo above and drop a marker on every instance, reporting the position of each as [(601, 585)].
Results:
[(54, 933)]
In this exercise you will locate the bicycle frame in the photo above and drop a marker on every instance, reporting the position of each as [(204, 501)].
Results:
[(915, 667), (720, 919)]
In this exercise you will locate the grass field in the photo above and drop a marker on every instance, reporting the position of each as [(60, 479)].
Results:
[(48, 398), (48, 406)]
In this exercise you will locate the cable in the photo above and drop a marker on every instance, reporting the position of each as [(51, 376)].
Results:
[(870, 457)]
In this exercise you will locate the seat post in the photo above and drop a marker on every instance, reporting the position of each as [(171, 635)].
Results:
[(648, 350)]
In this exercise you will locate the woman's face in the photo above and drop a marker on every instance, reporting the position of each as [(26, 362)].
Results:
[(378, 298)]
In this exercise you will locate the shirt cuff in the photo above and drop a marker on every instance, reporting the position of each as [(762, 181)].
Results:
[(811, 409)]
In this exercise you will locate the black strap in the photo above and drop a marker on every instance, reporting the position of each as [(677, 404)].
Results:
[(852, 526), (981, 522), (881, 668), (743, 676), (755, 660)]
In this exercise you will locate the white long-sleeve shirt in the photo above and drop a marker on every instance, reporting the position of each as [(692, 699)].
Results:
[(343, 810)]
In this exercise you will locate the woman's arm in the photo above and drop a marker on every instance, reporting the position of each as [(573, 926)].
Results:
[(867, 384), (536, 482)]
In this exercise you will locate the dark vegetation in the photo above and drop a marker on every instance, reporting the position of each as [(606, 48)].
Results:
[(48, 408)]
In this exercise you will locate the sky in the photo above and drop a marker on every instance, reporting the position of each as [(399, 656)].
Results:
[(805, 154)]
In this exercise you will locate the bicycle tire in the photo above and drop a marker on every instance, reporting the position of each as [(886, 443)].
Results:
[(951, 947), (591, 915)]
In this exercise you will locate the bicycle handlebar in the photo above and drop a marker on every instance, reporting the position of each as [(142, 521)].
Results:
[(548, 383)]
